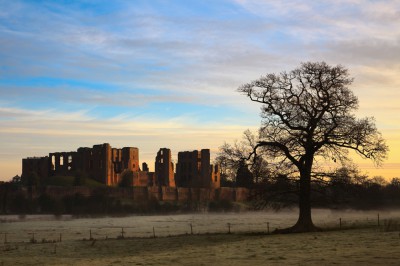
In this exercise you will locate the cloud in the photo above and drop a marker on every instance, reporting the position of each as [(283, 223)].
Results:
[(153, 51), (80, 123), (120, 71)]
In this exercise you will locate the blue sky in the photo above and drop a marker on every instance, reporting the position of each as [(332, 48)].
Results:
[(157, 74)]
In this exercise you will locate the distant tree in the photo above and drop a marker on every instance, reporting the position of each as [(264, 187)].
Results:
[(392, 191), (16, 180), (379, 180), (344, 185), (308, 113), (280, 193), (244, 178), (342, 176), (232, 157), (395, 182)]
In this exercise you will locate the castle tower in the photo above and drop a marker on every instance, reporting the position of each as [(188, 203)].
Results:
[(194, 170), (164, 168)]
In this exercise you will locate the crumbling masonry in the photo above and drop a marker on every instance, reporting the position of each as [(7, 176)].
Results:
[(106, 165), (164, 168), (101, 163), (194, 170)]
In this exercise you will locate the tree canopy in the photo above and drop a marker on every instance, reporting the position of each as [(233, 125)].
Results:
[(309, 113)]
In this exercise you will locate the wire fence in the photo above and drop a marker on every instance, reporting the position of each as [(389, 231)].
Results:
[(47, 229)]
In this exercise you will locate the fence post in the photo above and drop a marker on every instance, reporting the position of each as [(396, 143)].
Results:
[(154, 233), (378, 221), (340, 223), (191, 229), (268, 227), (229, 228)]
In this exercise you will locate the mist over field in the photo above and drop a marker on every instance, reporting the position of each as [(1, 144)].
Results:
[(20, 228), (360, 241)]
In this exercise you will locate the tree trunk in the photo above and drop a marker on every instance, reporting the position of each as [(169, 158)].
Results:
[(304, 222)]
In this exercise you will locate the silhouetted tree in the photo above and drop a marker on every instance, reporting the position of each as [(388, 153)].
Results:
[(344, 185), (308, 113), (244, 178), (392, 191), (395, 182), (231, 157), (16, 180), (379, 180)]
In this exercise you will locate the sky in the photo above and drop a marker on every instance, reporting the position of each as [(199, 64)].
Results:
[(154, 74)]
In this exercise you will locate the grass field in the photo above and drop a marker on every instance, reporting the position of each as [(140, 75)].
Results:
[(209, 245)]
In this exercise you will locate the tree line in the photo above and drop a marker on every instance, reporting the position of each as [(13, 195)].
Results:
[(276, 188)]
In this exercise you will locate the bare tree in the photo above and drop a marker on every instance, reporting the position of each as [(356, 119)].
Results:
[(232, 157), (307, 113)]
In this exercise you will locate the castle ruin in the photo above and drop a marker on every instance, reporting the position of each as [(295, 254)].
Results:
[(194, 170), (164, 168), (107, 165)]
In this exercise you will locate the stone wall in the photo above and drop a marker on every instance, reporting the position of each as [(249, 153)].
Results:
[(242, 194), (169, 194), (227, 193), (183, 194), (154, 193)]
